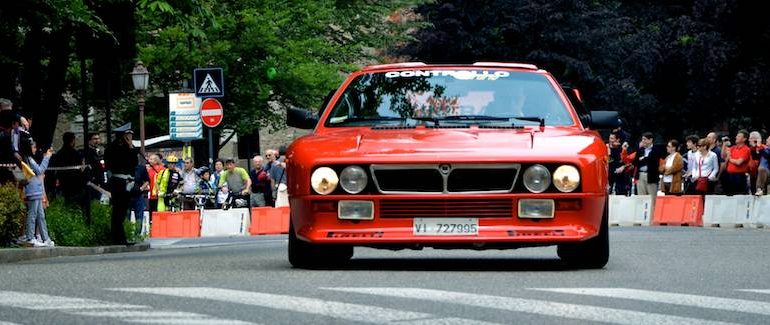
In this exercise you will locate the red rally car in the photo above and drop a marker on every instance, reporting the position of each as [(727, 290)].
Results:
[(411, 155)]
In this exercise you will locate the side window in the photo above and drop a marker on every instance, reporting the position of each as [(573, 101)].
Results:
[(583, 114)]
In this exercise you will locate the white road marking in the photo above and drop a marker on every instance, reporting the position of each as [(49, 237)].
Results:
[(99, 308), (765, 291), (729, 304), (341, 310), (532, 306)]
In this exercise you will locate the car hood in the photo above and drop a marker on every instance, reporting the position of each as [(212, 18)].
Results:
[(429, 144)]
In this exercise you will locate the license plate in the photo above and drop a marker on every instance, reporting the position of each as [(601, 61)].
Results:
[(445, 226)]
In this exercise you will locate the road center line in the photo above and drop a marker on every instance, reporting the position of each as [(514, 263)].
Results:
[(532, 306)]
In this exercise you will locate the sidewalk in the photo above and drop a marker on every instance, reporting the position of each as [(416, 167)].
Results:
[(10, 255)]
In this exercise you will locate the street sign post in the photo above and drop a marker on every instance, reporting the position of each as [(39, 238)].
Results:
[(211, 115), (209, 82), (184, 119)]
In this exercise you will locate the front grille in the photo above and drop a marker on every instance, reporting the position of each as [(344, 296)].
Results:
[(475, 180), (445, 178), (410, 180), (446, 208)]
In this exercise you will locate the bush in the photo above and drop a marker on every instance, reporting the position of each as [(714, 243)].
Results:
[(12, 212), (67, 224)]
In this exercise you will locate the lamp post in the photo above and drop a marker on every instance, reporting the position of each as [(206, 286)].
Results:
[(141, 78)]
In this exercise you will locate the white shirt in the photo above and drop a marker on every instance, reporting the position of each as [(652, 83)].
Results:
[(692, 159), (705, 166), (669, 164)]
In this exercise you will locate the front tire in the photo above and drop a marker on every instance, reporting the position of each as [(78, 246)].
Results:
[(590, 254), (311, 256)]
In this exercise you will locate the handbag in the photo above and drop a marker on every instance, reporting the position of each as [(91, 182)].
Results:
[(702, 183)]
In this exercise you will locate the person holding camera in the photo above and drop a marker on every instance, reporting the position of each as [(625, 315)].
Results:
[(737, 160)]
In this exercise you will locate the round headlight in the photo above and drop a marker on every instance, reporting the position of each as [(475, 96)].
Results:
[(566, 178), (324, 180), (353, 179), (537, 179)]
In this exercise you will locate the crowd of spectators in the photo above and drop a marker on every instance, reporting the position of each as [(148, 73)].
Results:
[(121, 175), (706, 164), (174, 186)]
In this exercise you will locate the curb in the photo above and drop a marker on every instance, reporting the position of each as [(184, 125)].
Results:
[(11, 255)]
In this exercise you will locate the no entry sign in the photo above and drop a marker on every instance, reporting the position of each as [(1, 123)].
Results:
[(211, 112)]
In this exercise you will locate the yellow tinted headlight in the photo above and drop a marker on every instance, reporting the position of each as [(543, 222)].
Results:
[(324, 180), (566, 178)]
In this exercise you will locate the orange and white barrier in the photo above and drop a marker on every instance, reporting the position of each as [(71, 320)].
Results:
[(630, 210), (728, 211), (760, 211), (267, 220), (230, 222), (685, 210), (175, 224)]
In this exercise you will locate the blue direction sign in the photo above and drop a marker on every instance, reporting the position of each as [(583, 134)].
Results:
[(184, 119), (209, 82)]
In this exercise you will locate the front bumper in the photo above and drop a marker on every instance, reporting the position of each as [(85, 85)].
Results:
[(567, 225)]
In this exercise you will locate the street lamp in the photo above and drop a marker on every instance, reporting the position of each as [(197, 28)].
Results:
[(141, 78)]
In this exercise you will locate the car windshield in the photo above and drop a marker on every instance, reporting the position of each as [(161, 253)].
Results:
[(476, 96)]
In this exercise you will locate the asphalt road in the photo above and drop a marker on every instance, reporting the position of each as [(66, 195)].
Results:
[(655, 276)]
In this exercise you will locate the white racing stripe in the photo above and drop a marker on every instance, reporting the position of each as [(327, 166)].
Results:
[(738, 305), (98, 308), (341, 310), (532, 306)]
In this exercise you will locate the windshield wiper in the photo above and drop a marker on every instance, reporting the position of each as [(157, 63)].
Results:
[(389, 118), (494, 118), (531, 119), (429, 119), (474, 118)]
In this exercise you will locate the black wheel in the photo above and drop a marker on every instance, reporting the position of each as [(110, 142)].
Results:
[(590, 254), (306, 255)]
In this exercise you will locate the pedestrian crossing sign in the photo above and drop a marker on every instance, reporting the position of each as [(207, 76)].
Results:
[(209, 82)]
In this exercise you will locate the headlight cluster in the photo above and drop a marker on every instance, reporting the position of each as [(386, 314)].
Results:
[(537, 178), (353, 180)]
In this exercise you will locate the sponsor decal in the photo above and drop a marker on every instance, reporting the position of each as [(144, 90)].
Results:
[(376, 234), (536, 233), (457, 74)]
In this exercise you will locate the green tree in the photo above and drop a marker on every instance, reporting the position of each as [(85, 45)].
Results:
[(676, 68), (309, 45)]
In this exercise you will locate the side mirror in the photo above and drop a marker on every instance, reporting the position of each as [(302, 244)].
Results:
[(301, 118), (604, 120)]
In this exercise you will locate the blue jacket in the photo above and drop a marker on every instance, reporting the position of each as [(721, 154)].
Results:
[(34, 190)]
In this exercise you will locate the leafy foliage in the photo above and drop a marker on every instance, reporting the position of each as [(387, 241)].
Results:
[(12, 211), (67, 226), (679, 68), (310, 45)]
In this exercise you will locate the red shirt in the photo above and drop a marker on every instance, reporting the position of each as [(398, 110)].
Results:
[(739, 152)]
